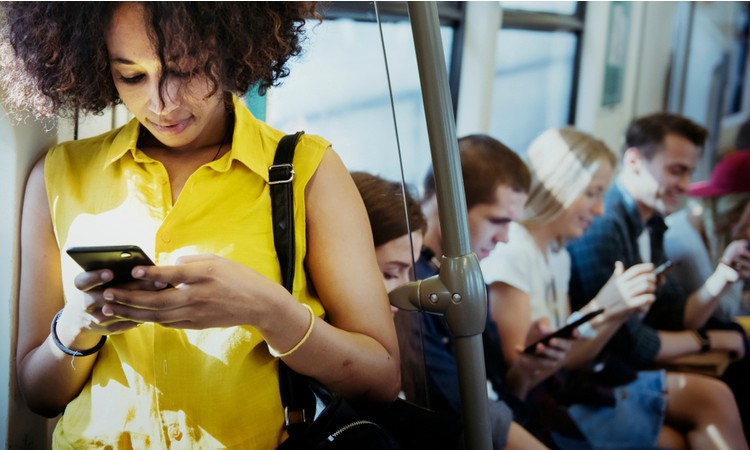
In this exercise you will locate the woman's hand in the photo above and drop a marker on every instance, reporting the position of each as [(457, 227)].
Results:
[(737, 256), (209, 291), (528, 370), (83, 323), (627, 291), (547, 358)]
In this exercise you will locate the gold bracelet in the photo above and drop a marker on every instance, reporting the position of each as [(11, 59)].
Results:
[(302, 341)]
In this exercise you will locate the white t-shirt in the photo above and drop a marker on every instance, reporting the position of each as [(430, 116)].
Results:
[(520, 263)]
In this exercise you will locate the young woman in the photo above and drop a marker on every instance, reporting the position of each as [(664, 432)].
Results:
[(397, 225), (188, 354), (712, 233), (529, 276)]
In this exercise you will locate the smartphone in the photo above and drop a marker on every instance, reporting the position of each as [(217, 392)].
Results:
[(663, 267), (120, 259), (565, 332)]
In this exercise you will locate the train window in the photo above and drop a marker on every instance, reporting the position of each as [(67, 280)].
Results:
[(552, 7), (543, 61), (351, 105), (538, 45)]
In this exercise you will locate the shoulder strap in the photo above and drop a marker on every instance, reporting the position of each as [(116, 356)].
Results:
[(280, 176), (296, 398)]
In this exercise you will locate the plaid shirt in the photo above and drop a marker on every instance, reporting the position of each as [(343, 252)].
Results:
[(614, 237)]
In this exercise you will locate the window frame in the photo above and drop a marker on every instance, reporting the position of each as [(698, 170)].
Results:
[(514, 19), (451, 14)]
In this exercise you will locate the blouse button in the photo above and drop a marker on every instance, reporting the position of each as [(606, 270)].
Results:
[(174, 432)]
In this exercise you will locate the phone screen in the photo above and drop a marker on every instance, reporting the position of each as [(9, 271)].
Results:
[(120, 259), (564, 332)]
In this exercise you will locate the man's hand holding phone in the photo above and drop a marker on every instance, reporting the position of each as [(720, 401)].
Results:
[(627, 291)]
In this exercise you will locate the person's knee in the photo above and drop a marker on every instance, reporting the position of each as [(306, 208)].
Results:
[(713, 398)]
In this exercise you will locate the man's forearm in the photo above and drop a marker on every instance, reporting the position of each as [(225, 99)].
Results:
[(677, 343)]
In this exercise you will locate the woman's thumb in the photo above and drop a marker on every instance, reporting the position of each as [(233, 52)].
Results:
[(619, 268)]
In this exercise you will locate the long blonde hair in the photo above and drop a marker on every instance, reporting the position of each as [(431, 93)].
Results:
[(562, 163)]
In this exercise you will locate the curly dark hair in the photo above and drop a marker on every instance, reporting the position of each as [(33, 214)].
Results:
[(57, 59)]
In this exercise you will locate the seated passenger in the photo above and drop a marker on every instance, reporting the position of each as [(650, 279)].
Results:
[(708, 243), (710, 235), (496, 183), (398, 227), (528, 277), (660, 153)]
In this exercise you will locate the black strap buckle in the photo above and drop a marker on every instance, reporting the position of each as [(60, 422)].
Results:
[(284, 177), (294, 417)]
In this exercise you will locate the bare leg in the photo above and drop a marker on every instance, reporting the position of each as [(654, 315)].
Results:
[(520, 439), (671, 439), (705, 408)]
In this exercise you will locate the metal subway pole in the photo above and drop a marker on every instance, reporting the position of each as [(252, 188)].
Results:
[(460, 273)]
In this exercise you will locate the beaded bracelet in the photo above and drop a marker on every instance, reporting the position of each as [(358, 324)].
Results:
[(275, 353), (67, 350)]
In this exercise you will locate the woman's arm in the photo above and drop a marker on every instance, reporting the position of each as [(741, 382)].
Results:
[(357, 354), (584, 350), (47, 377), (510, 309)]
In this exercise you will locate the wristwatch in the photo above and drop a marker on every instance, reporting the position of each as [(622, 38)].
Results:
[(705, 342)]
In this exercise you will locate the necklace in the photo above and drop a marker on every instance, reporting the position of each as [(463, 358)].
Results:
[(218, 151), (229, 129)]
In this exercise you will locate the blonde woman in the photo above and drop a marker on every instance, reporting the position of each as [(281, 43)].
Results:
[(529, 280)]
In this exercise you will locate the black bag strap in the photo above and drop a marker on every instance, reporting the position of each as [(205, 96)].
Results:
[(296, 398), (280, 176)]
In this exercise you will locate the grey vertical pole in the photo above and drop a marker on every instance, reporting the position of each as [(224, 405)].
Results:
[(682, 37), (460, 273)]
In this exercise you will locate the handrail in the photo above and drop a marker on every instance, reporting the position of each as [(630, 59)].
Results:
[(458, 291)]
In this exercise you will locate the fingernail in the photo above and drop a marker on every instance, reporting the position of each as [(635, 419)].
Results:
[(107, 311), (159, 284), (108, 295), (139, 273), (106, 276)]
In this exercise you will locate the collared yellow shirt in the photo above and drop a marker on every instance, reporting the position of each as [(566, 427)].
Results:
[(156, 387)]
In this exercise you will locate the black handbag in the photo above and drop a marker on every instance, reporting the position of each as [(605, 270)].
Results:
[(341, 424)]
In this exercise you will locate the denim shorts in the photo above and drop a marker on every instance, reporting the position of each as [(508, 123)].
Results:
[(634, 422)]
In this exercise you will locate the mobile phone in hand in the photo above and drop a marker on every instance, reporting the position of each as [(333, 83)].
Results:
[(663, 267), (565, 332), (120, 259)]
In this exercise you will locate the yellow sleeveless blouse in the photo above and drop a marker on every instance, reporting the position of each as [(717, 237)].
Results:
[(156, 387)]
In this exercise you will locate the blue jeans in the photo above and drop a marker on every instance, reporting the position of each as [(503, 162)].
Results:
[(634, 422)]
